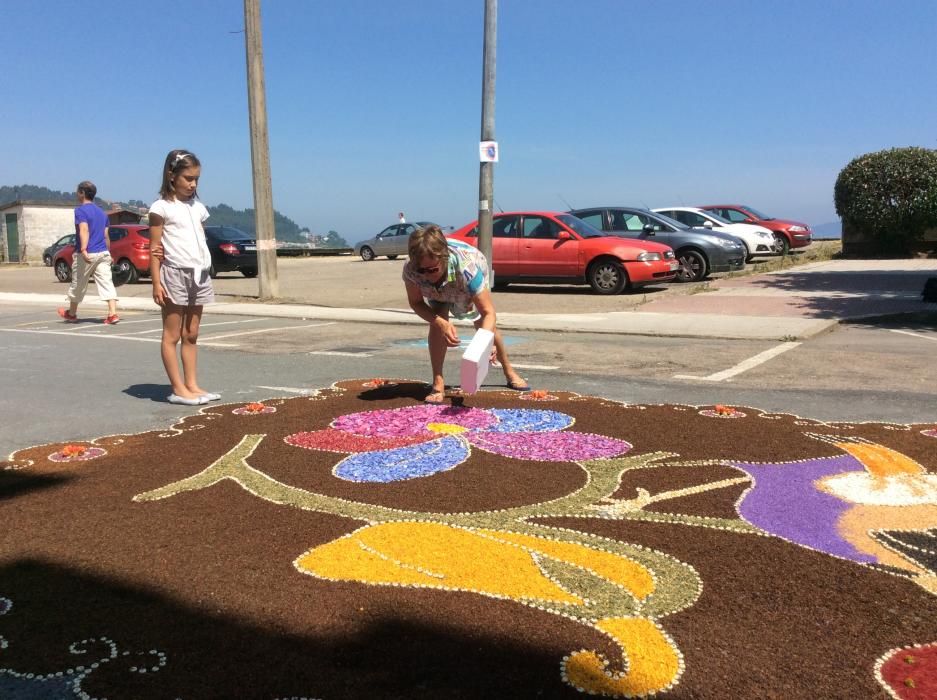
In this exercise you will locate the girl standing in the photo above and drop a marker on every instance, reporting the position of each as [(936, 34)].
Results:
[(179, 265)]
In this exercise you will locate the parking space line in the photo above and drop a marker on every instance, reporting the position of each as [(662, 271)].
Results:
[(744, 365), (545, 367), (339, 354), (109, 336), (203, 325), (265, 330), (913, 335)]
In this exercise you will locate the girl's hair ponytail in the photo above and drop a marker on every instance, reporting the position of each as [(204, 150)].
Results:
[(176, 161)]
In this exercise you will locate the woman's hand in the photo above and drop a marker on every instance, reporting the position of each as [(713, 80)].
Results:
[(157, 251), (449, 332)]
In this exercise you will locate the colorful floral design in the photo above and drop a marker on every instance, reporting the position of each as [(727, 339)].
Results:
[(254, 409), (77, 453), (852, 506), (909, 673), (720, 411), (418, 441), (930, 433), (515, 566), (537, 395)]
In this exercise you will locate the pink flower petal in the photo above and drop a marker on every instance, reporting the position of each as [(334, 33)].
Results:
[(410, 421)]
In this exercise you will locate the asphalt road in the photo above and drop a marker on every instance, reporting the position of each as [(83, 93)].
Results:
[(71, 382)]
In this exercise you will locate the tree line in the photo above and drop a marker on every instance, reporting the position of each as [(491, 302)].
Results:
[(221, 215)]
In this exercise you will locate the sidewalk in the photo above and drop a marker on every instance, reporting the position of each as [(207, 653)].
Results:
[(797, 303)]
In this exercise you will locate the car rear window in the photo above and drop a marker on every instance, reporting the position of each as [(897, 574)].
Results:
[(227, 233)]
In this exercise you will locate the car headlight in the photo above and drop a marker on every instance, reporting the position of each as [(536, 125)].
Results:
[(647, 257), (798, 229), (669, 255), (725, 243)]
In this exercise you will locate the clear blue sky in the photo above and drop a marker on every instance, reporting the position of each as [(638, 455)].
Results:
[(374, 106)]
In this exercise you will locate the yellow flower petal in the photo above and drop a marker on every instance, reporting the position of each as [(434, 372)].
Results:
[(880, 460), (654, 664)]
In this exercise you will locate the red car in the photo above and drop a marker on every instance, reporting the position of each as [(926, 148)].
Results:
[(542, 246), (788, 234), (130, 250)]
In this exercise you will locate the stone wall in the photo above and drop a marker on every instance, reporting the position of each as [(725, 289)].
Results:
[(39, 225), (857, 244)]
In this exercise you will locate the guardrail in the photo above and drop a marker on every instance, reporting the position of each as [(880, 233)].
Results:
[(312, 252)]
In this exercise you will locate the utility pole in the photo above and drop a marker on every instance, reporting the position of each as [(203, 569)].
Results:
[(260, 155), (486, 169)]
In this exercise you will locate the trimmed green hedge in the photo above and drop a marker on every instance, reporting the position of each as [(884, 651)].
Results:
[(890, 196)]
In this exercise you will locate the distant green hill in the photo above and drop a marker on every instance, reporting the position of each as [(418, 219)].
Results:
[(221, 215)]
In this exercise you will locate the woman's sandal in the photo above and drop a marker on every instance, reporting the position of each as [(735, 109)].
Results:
[(518, 385), (435, 398)]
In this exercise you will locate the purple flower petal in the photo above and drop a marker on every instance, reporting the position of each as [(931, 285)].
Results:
[(549, 447)]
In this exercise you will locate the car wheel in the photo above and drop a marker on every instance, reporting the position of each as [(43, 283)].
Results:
[(128, 270), (693, 266), (249, 271), (607, 276), (391, 257), (367, 254), (781, 244), (212, 272), (47, 260), (63, 271), (748, 253)]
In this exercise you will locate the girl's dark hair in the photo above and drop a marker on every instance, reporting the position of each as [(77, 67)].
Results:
[(87, 190), (177, 161)]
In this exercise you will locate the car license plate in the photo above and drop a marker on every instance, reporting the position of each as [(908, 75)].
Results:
[(250, 247), (674, 265)]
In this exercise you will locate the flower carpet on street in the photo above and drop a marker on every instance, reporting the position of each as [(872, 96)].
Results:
[(357, 543)]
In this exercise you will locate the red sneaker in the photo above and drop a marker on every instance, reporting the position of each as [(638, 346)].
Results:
[(68, 316), (114, 318)]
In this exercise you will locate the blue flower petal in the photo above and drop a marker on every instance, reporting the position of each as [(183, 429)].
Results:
[(527, 420), (401, 463)]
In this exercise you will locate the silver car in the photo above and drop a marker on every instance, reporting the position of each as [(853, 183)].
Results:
[(392, 241)]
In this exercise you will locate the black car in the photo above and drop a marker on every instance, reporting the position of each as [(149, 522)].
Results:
[(699, 250), (231, 250), (49, 253)]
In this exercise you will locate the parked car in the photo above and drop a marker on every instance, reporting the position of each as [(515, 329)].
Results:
[(48, 255), (392, 241), (789, 234), (699, 251), (757, 239), (550, 247), (232, 250), (130, 250)]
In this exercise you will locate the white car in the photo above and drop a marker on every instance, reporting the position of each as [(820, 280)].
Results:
[(757, 239)]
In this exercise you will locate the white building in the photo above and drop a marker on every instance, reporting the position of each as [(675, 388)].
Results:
[(28, 227)]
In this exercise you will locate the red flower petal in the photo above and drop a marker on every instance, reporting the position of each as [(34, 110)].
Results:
[(332, 440)]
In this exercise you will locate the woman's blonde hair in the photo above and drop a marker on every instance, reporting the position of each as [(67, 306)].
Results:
[(429, 242)]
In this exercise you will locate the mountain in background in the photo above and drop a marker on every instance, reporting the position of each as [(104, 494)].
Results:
[(222, 215), (834, 229)]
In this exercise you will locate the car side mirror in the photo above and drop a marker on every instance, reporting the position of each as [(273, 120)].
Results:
[(749, 220), (648, 229), (707, 224), (564, 236)]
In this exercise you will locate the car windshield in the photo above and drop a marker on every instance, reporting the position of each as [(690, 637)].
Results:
[(144, 233), (757, 214), (579, 226), (424, 224), (226, 233), (715, 217)]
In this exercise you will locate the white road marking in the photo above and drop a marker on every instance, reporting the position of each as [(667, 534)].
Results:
[(744, 365), (914, 335), (159, 329), (514, 364), (267, 330), (340, 354), (111, 336), (287, 389)]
